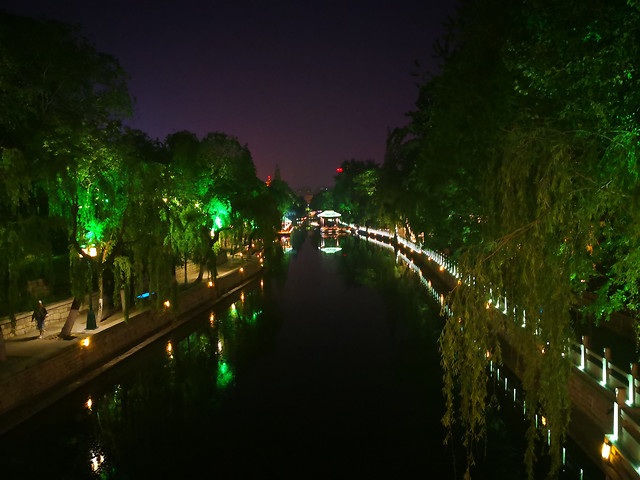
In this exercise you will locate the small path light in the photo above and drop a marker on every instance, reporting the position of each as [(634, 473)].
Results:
[(85, 342), (606, 450)]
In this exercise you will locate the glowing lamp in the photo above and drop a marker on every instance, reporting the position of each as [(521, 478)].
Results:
[(242, 296), (339, 169), (210, 284), (88, 403), (442, 268), (241, 270), (606, 450), (167, 304), (91, 251), (169, 347), (261, 283), (212, 318), (544, 421), (85, 342)]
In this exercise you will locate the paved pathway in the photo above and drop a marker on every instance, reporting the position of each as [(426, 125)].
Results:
[(27, 349)]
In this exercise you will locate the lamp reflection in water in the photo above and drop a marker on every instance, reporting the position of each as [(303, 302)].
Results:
[(96, 461)]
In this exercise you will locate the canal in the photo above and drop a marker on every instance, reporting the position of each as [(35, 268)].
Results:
[(326, 368)]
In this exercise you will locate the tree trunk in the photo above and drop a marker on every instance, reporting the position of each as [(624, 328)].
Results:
[(3, 348), (186, 279), (200, 273), (100, 313), (71, 319)]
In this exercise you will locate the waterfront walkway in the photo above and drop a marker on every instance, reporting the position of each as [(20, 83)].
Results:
[(27, 351)]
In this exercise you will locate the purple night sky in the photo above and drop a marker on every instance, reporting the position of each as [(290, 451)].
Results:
[(305, 84)]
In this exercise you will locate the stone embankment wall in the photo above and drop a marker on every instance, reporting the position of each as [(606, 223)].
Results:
[(20, 386), (56, 316)]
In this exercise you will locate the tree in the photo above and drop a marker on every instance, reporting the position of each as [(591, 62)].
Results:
[(553, 209), (54, 88), (354, 192)]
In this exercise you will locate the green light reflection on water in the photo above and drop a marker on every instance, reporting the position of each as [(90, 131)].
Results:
[(225, 374)]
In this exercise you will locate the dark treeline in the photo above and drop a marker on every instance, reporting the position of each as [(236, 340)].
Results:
[(77, 188), (521, 160)]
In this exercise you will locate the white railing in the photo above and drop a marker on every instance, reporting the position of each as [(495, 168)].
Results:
[(624, 383)]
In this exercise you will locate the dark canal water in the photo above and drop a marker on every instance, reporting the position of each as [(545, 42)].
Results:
[(328, 368)]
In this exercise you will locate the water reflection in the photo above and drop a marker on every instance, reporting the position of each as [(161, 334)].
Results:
[(182, 393), (275, 386), (330, 244)]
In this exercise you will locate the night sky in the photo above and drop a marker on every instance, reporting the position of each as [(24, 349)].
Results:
[(305, 84)]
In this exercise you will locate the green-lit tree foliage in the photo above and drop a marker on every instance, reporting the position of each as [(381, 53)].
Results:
[(354, 193), (54, 88), (526, 166)]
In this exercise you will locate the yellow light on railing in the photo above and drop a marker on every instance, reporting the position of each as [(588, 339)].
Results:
[(606, 450), (167, 304), (85, 342)]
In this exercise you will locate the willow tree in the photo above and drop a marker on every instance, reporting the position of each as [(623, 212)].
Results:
[(199, 206), (93, 196), (53, 85), (555, 204)]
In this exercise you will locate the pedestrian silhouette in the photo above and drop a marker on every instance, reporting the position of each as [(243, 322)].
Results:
[(39, 315)]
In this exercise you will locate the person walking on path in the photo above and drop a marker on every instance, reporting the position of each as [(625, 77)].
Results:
[(39, 315)]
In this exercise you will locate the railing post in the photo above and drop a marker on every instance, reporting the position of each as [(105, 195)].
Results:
[(606, 358), (621, 398), (634, 388), (585, 352)]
